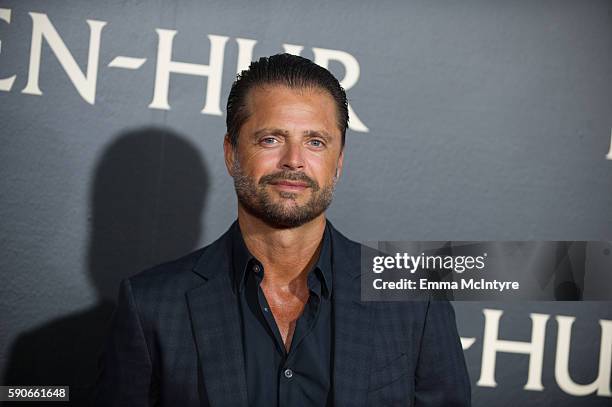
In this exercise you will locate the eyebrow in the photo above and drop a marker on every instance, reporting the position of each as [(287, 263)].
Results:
[(308, 133), (315, 133), (267, 130)]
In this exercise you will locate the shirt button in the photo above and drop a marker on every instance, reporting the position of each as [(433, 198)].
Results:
[(288, 373), (256, 268)]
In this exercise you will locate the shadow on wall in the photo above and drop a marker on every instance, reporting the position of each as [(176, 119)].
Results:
[(147, 197)]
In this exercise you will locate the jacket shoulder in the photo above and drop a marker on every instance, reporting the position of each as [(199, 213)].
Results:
[(174, 275), (181, 273), (170, 268), (340, 241)]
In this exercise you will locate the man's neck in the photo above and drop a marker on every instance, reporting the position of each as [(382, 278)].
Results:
[(286, 254)]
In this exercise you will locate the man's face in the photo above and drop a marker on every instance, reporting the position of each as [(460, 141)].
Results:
[(289, 155)]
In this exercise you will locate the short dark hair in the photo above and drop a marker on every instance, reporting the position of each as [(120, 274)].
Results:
[(282, 69)]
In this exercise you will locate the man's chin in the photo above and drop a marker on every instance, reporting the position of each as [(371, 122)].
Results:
[(287, 221), (288, 215)]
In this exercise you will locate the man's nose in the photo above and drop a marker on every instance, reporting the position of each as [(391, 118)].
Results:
[(293, 157)]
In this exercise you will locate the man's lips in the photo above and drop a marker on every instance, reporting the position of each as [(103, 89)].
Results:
[(292, 185)]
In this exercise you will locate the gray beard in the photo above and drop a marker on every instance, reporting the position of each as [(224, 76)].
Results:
[(257, 201)]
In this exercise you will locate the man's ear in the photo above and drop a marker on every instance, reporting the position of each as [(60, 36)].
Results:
[(339, 165), (229, 154)]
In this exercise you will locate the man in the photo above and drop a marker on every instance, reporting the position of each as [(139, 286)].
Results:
[(270, 314)]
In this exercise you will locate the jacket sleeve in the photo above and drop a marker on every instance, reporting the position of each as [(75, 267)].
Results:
[(441, 374), (125, 372)]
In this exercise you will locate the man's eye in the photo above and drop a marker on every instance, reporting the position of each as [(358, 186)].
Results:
[(316, 143), (268, 140)]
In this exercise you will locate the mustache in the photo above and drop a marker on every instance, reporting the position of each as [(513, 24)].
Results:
[(289, 176)]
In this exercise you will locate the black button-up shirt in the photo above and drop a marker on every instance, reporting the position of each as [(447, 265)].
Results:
[(275, 377)]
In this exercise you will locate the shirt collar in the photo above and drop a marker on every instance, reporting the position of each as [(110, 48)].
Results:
[(243, 260)]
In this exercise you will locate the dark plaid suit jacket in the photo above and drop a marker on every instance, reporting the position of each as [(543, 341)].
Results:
[(176, 340)]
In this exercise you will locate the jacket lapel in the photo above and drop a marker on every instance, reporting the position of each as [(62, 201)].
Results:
[(352, 322), (215, 319)]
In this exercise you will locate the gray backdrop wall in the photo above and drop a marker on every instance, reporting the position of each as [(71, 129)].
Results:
[(471, 120)]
